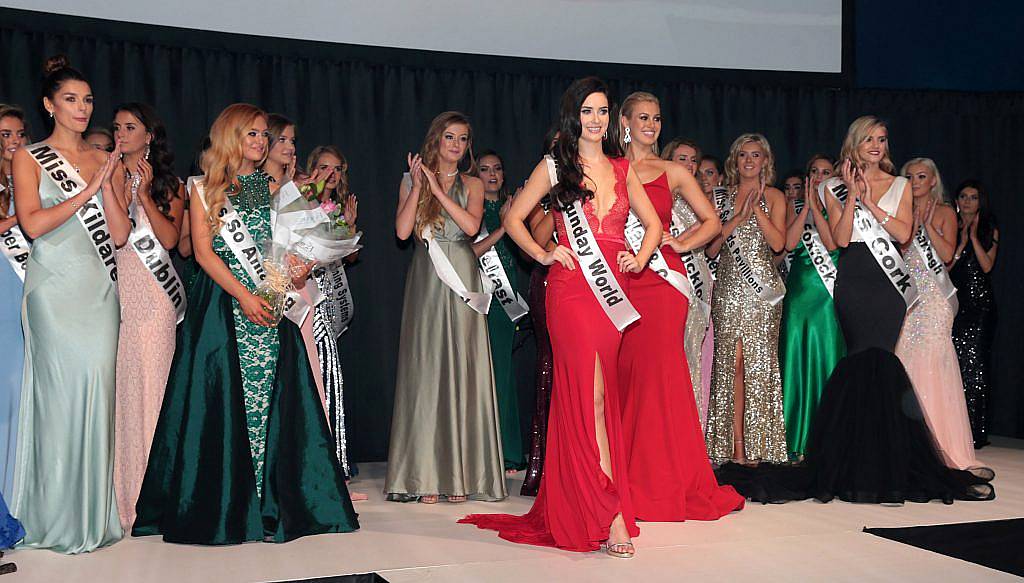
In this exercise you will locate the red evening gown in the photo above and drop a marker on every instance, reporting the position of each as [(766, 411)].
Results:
[(577, 500), (670, 476)]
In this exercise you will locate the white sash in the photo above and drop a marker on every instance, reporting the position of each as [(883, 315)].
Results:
[(720, 198), (881, 246), (157, 260), (635, 237), (90, 215), (818, 253), (236, 235), (491, 268), (340, 299), (599, 276), (923, 244), (480, 302), (15, 247), (696, 270), (746, 271)]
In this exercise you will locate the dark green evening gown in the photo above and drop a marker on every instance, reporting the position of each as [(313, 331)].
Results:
[(810, 345), (502, 331), (242, 450)]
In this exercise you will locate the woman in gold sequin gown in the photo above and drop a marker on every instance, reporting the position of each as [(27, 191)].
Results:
[(745, 415)]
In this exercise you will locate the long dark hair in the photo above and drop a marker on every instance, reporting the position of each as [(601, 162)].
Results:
[(165, 182), (504, 192), (566, 152), (986, 220)]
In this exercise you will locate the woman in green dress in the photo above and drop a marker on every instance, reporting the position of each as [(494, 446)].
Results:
[(444, 429), (811, 342), (502, 329), (242, 449), (63, 484)]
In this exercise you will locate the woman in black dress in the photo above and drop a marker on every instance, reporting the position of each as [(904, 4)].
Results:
[(975, 324)]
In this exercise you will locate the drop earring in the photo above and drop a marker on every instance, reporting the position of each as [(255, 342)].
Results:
[(51, 115), (146, 155), (626, 138)]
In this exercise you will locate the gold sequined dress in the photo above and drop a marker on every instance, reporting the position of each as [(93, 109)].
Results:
[(740, 315)]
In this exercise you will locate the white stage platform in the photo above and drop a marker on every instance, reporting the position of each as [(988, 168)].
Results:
[(404, 543)]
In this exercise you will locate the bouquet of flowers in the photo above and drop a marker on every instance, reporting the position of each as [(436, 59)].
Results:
[(311, 230), (280, 266)]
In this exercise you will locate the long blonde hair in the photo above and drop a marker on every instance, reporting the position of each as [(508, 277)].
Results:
[(222, 160), (626, 111), (938, 192), (732, 173), (859, 131), (428, 208)]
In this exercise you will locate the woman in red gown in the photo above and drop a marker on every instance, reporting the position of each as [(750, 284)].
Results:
[(670, 476), (584, 498)]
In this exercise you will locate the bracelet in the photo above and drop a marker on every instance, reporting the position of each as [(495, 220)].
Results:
[(885, 220)]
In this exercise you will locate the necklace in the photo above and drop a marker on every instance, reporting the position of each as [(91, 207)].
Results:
[(452, 174)]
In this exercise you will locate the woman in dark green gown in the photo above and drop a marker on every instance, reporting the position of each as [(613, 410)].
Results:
[(242, 450), (810, 341), (501, 328)]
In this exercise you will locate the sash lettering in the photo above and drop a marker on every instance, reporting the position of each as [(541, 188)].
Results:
[(602, 282), (635, 236), (761, 289), (696, 268), (90, 215), (501, 287), (242, 245), (156, 259), (816, 251), (881, 246), (923, 244)]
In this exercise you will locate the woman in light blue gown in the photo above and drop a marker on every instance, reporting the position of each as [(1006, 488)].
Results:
[(12, 137), (63, 484)]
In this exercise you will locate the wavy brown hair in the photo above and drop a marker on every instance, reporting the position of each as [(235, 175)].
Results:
[(566, 151), (223, 158), (428, 208)]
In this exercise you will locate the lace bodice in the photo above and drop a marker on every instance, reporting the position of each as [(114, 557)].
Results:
[(611, 227)]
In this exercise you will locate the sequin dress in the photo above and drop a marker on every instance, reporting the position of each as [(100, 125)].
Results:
[(242, 450), (542, 382), (741, 315), (696, 322), (926, 349), (330, 363), (973, 333)]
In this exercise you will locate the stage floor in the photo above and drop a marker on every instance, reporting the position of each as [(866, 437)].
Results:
[(799, 541)]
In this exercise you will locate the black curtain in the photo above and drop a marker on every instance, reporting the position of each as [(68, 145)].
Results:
[(376, 103)]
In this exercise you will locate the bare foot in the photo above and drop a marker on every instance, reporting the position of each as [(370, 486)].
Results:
[(428, 499), (619, 543), (456, 499), (358, 496), (511, 473)]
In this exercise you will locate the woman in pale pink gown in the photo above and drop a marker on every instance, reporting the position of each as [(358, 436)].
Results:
[(147, 190), (926, 345)]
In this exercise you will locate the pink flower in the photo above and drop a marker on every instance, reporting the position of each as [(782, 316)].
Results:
[(328, 206)]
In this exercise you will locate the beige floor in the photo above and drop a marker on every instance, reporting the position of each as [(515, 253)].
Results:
[(803, 541)]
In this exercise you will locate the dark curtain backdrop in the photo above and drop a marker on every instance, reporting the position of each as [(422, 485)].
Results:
[(376, 104)]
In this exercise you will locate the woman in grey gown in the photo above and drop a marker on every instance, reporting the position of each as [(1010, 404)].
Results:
[(444, 431)]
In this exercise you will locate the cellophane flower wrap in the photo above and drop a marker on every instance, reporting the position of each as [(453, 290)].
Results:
[(311, 230)]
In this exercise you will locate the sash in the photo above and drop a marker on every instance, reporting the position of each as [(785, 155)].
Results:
[(816, 251), (720, 198), (480, 302), (240, 242), (492, 269), (90, 215), (923, 244), (881, 246), (600, 278), (696, 270), (15, 247), (760, 289), (156, 259), (339, 301), (635, 237)]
